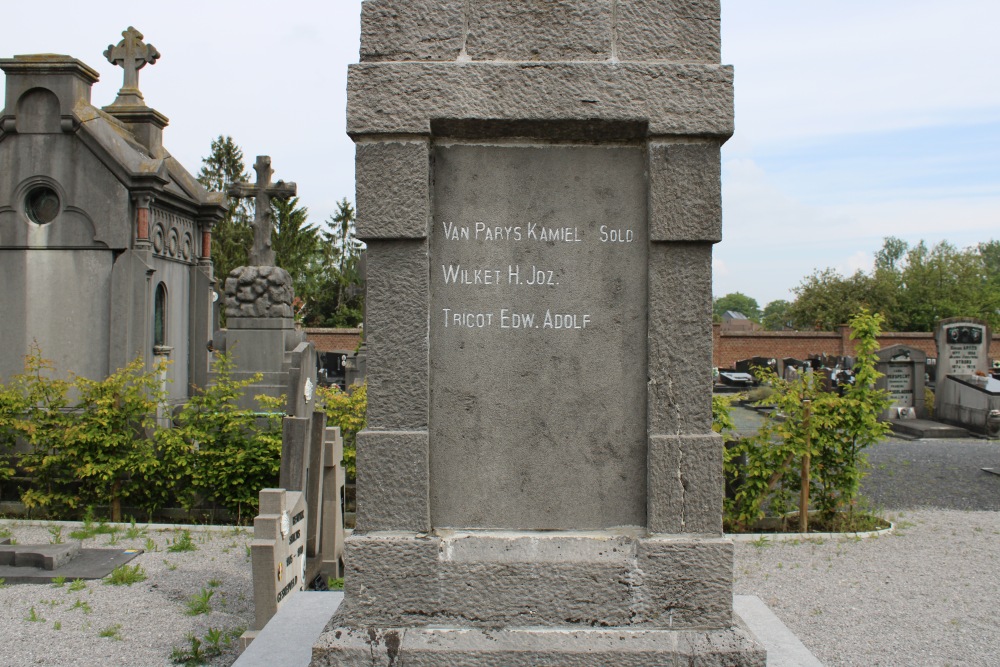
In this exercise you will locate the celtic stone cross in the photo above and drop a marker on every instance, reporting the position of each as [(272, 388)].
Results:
[(262, 191), (131, 54)]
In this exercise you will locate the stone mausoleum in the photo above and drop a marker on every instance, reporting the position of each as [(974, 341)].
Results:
[(104, 237)]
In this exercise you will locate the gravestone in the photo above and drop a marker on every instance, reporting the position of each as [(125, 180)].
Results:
[(903, 370), (965, 393), (277, 553), (260, 332), (538, 481)]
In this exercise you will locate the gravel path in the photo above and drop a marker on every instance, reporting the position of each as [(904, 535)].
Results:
[(147, 620), (927, 595)]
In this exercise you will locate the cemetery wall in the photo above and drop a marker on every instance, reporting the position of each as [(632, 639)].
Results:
[(728, 347), (333, 340)]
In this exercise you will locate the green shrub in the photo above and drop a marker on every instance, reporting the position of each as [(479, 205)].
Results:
[(346, 409), (833, 429)]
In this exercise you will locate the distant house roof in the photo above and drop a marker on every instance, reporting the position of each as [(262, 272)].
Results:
[(333, 340), (733, 315)]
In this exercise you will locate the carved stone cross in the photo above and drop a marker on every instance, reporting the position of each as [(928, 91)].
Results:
[(263, 191), (131, 54)]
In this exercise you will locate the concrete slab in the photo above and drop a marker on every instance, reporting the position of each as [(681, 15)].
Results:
[(288, 637), (925, 428), (783, 648), (87, 564)]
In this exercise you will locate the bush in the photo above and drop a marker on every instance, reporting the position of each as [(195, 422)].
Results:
[(346, 409), (834, 430)]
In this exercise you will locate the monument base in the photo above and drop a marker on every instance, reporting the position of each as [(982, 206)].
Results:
[(617, 596), (534, 647)]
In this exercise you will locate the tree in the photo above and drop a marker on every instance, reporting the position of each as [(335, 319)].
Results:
[(232, 236), (736, 301), (295, 243), (334, 296), (775, 316)]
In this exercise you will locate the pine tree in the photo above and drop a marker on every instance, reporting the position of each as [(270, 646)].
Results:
[(232, 236)]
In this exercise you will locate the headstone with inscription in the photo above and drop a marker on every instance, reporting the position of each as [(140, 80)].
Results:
[(277, 553), (965, 393), (903, 370), (963, 346), (539, 189)]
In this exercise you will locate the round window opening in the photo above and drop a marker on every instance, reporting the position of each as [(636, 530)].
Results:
[(41, 204)]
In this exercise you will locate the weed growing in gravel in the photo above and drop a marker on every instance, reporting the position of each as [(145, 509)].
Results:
[(193, 655), (5, 531), (200, 603), (77, 585), (3, 583), (151, 545), (170, 566), (58, 582), (125, 575), (33, 616), (56, 533), (214, 583), (114, 539), (335, 584), (248, 551), (52, 603), (211, 645), (761, 542), (181, 543), (82, 606), (57, 625), (134, 532), (90, 528), (112, 632)]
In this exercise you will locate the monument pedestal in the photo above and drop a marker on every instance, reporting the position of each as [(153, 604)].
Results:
[(536, 598)]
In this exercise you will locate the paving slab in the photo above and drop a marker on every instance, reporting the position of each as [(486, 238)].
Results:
[(783, 648), (87, 564), (925, 428), (288, 637)]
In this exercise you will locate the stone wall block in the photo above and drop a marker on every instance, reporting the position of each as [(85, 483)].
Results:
[(428, 30), (390, 582), (539, 31), (671, 30), (685, 484), (680, 338), (688, 99), (527, 594), (388, 500), (392, 189), (685, 584), (398, 293), (685, 192)]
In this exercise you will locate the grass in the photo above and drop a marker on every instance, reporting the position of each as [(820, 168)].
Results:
[(151, 545), (214, 583), (134, 532), (200, 603), (181, 543), (112, 632), (56, 533), (335, 584), (58, 582), (200, 650), (77, 585), (3, 583), (125, 575), (33, 616), (5, 532), (170, 566)]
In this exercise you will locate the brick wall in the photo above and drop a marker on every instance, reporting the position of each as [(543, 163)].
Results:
[(333, 340), (730, 346)]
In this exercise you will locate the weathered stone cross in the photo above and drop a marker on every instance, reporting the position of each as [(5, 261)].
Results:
[(263, 191), (131, 54)]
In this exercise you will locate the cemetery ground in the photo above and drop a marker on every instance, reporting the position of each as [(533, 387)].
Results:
[(927, 594)]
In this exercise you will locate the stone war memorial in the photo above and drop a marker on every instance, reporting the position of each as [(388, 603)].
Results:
[(538, 483)]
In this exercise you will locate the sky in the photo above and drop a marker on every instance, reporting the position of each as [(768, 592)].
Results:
[(855, 120)]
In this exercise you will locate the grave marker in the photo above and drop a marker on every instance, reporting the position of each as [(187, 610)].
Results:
[(277, 553), (903, 370), (538, 462)]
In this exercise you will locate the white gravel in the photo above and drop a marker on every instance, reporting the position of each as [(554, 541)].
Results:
[(152, 614), (927, 595)]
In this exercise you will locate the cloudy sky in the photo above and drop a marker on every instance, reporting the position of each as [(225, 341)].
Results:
[(855, 119)]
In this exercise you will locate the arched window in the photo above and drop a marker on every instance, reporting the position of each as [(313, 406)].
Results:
[(160, 316)]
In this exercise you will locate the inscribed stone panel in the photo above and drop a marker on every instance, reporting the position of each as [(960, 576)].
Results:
[(538, 337)]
